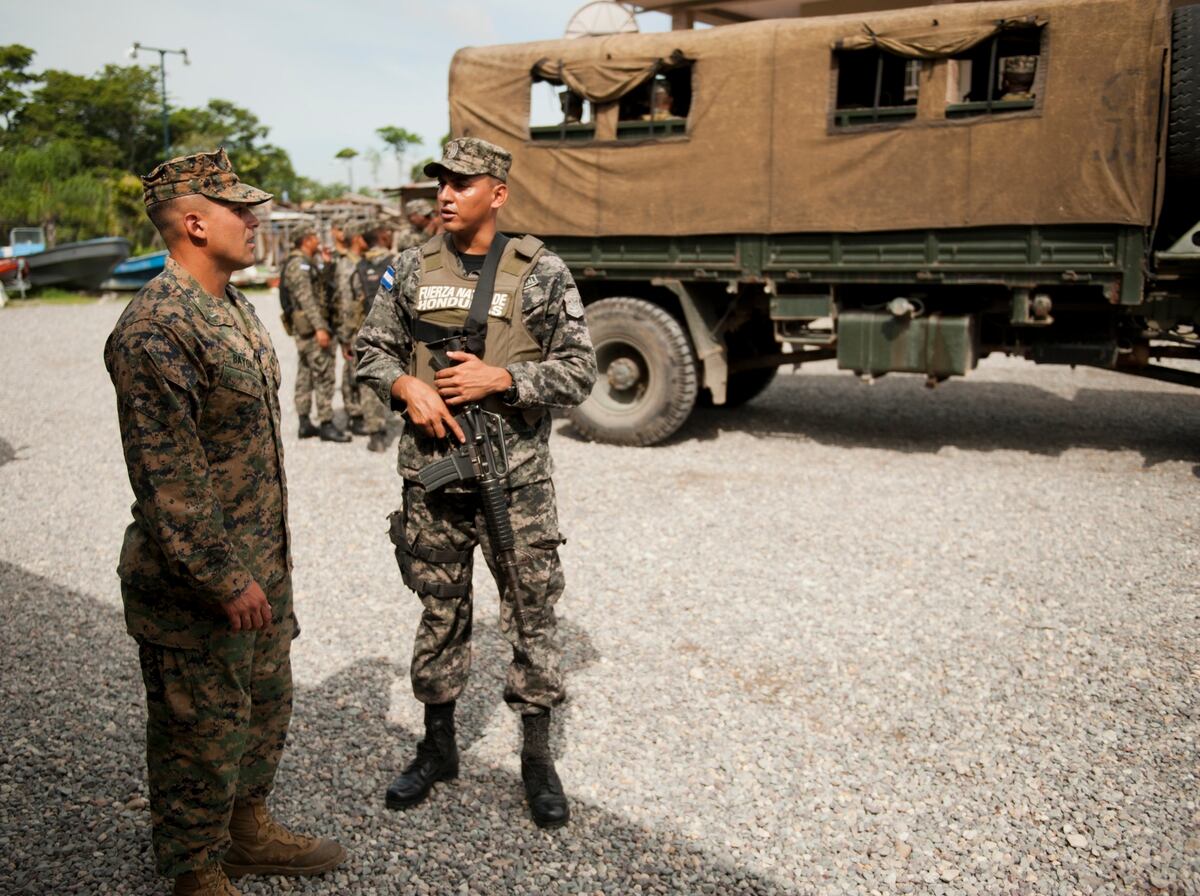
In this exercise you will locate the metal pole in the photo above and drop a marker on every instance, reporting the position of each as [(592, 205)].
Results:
[(162, 80), (162, 69)]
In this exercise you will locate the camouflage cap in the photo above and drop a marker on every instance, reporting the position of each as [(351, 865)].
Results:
[(470, 155), (207, 173), (418, 207)]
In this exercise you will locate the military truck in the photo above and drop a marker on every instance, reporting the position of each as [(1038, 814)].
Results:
[(902, 191)]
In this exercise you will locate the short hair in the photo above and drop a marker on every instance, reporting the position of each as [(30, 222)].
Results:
[(302, 236), (162, 215)]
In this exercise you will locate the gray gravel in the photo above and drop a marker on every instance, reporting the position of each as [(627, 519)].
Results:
[(847, 639)]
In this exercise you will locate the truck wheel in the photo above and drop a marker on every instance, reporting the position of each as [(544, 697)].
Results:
[(1183, 124), (647, 385)]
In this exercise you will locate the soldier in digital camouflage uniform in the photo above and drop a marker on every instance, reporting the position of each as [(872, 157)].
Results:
[(421, 224), (350, 248), (316, 369), (345, 260), (205, 566), (376, 259), (538, 355)]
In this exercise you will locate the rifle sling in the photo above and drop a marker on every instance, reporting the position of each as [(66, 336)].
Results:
[(481, 302)]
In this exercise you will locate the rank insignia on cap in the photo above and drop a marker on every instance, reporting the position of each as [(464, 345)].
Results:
[(388, 278)]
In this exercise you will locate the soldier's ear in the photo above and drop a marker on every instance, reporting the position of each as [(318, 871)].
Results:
[(499, 194)]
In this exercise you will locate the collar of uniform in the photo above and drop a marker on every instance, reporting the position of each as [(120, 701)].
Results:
[(216, 311)]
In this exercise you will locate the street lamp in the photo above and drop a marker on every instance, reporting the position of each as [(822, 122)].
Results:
[(162, 71)]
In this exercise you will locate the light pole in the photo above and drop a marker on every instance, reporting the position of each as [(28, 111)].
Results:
[(162, 71)]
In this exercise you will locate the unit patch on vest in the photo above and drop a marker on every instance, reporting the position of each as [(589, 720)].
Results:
[(439, 298)]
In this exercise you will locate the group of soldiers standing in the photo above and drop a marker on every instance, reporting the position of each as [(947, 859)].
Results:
[(325, 297)]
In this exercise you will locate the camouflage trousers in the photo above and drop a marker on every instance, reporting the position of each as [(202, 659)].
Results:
[(351, 391), (362, 401), (315, 378), (435, 536), (217, 719)]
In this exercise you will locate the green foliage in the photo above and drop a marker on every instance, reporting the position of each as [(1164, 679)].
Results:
[(51, 186), (14, 60), (72, 148), (418, 170), (346, 153)]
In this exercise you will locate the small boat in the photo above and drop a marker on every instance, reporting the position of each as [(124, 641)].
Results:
[(136, 272), (84, 265)]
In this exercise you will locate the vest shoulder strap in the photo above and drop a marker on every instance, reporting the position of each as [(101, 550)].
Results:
[(525, 250), (431, 254)]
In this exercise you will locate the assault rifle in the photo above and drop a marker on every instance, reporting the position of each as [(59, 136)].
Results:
[(481, 457)]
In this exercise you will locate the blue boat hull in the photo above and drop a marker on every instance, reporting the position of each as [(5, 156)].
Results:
[(136, 272)]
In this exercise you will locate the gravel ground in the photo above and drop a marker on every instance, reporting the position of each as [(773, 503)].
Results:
[(846, 639)]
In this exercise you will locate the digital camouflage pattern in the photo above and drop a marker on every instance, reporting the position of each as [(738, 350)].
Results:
[(419, 206), (553, 314), (435, 536), (347, 323), (316, 372), (470, 156), (207, 173), (352, 311), (408, 237), (435, 533), (217, 721), (197, 382)]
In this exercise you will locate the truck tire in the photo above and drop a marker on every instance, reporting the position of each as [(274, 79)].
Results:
[(647, 383), (1183, 123)]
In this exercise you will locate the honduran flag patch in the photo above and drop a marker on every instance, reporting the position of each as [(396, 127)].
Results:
[(388, 279)]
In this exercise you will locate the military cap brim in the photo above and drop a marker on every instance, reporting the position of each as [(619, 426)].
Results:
[(207, 174)]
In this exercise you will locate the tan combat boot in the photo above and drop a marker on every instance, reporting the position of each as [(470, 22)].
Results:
[(207, 881), (261, 845)]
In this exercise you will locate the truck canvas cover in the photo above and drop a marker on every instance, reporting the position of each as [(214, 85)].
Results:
[(762, 153)]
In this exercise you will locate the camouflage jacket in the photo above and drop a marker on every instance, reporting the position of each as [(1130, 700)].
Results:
[(347, 298), (197, 403), (553, 314), (409, 237), (307, 290)]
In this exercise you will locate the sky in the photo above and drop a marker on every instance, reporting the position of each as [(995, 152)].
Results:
[(320, 75)]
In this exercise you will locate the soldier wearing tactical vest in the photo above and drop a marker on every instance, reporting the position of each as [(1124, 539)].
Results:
[(301, 289), (356, 290), (537, 355)]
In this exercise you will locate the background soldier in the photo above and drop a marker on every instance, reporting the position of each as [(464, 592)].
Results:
[(350, 247), (423, 224), (376, 261), (205, 567), (300, 278), (537, 355)]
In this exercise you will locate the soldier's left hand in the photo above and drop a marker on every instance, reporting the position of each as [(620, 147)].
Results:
[(470, 379)]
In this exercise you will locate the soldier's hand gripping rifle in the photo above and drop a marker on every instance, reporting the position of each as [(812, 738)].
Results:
[(483, 458)]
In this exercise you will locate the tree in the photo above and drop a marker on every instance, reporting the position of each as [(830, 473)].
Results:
[(399, 140), (14, 59), (51, 186), (222, 123), (348, 155)]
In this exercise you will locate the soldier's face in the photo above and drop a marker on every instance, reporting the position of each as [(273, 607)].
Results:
[(231, 227), (465, 202)]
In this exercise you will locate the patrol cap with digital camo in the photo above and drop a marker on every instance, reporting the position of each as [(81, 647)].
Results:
[(469, 156), (206, 173)]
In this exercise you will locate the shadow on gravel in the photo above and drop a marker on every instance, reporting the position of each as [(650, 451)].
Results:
[(72, 776), (900, 414), (8, 453)]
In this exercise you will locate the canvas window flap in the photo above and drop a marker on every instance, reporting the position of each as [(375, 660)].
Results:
[(603, 80), (934, 43)]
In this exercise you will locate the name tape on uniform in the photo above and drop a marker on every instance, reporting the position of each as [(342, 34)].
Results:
[(439, 298)]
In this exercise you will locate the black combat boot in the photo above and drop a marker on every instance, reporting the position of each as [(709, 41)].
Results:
[(358, 426), (543, 789), (330, 433), (437, 759), (377, 442), (307, 429)]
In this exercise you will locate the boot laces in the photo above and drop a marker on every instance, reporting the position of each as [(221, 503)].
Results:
[(270, 829)]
